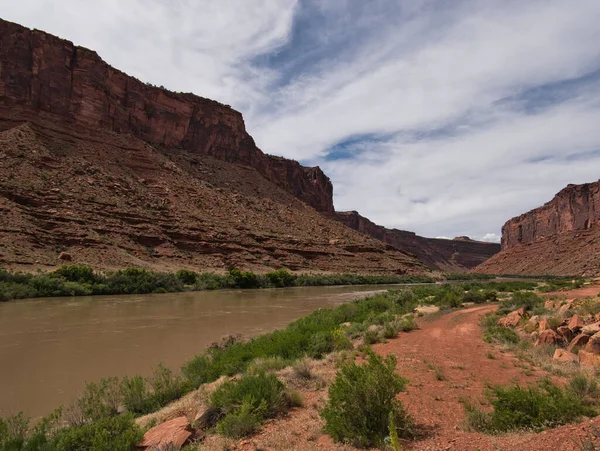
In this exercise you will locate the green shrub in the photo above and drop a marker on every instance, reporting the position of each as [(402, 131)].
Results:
[(280, 278), (585, 389), (16, 433), (244, 421), (267, 365), (523, 299), (373, 336), (535, 408), (407, 323), (322, 344), (390, 330), (135, 395), (165, 386), (100, 399), (449, 297), (77, 273), (244, 279), (360, 402), (186, 276), (117, 433), (254, 389), (474, 296), (502, 335)]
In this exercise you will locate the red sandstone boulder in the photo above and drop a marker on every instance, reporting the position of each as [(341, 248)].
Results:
[(593, 344), (565, 332), (565, 356), (578, 342), (65, 256), (543, 325), (512, 319), (589, 359), (575, 323), (591, 329), (169, 435), (547, 337)]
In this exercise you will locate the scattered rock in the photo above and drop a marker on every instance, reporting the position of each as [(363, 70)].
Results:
[(512, 319), (547, 337), (543, 325), (567, 306), (65, 256), (591, 329), (593, 344), (575, 323), (565, 332), (551, 305), (565, 356), (579, 341), (427, 309), (169, 435), (589, 359)]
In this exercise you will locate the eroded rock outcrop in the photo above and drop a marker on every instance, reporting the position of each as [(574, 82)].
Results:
[(458, 254), (561, 237), (575, 208), (107, 170), (45, 79)]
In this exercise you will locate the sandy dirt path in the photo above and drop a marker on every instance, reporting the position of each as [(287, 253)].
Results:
[(447, 360)]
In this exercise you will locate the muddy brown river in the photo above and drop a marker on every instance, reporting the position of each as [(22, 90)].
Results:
[(50, 347)]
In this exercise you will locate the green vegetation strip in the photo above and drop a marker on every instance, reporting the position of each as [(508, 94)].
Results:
[(103, 417), (80, 280)]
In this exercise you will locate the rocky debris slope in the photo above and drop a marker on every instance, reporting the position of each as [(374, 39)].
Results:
[(560, 238), (45, 77), (100, 168), (113, 200), (454, 255)]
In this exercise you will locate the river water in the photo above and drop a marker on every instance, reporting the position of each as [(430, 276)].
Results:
[(50, 347)]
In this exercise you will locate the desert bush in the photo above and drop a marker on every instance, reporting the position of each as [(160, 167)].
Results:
[(77, 273), (17, 434), (187, 277), (244, 279), (117, 433), (501, 335), (360, 402), (280, 278), (165, 386), (449, 297), (244, 404), (244, 421), (528, 408), (267, 365), (523, 299), (474, 296), (585, 389), (135, 395), (372, 336), (302, 370), (100, 399)]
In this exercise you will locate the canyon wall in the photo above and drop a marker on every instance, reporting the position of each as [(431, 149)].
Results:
[(454, 255), (576, 207), (561, 237), (47, 79)]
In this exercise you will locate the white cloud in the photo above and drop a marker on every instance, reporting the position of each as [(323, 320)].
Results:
[(459, 151), (491, 237)]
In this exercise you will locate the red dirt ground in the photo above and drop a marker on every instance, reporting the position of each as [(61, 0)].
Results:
[(453, 343)]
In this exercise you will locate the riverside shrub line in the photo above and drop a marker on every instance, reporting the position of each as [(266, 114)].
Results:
[(81, 280), (96, 418)]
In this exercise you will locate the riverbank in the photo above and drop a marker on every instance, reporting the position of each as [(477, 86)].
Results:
[(81, 280), (320, 333)]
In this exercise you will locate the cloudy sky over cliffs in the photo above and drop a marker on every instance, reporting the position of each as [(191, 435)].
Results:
[(441, 117)]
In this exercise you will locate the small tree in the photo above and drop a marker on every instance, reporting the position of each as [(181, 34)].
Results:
[(361, 400)]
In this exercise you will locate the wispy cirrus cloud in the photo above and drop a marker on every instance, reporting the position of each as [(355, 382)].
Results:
[(445, 118)]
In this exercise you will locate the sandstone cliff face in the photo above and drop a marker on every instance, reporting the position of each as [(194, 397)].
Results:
[(47, 79), (576, 207), (117, 173), (459, 254), (561, 237)]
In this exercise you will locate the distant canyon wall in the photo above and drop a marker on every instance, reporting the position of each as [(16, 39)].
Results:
[(458, 254), (47, 79)]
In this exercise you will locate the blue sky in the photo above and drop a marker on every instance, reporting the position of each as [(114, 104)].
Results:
[(441, 117)]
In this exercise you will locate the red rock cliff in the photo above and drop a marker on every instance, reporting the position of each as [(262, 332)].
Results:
[(575, 208), (45, 78), (459, 254)]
